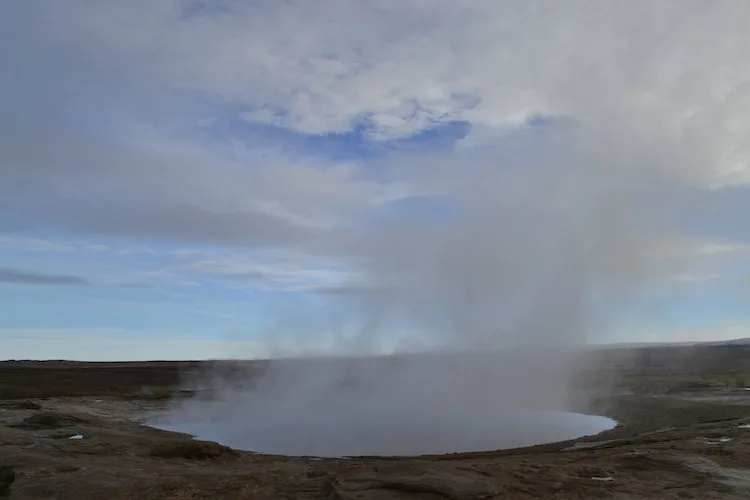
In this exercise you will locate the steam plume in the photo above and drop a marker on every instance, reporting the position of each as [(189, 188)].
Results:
[(540, 253), (503, 292)]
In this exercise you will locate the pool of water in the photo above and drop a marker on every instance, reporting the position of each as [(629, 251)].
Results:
[(389, 435)]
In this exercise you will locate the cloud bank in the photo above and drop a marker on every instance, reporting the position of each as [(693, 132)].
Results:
[(21, 277), (584, 131)]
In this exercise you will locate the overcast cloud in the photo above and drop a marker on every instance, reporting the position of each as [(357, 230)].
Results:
[(584, 132), (21, 277)]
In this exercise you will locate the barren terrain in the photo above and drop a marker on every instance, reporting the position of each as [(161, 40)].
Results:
[(681, 412)]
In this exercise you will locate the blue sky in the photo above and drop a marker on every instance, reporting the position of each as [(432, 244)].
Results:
[(189, 183)]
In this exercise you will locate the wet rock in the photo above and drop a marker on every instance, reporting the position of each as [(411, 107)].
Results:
[(67, 468), (24, 405), (49, 420), (693, 386), (427, 484), (7, 477), (191, 450), (315, 473)]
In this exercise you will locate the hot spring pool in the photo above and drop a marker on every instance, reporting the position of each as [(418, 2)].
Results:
[(397, 435)]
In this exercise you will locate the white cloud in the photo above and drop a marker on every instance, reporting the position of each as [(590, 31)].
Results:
[(692, 278), (102, 135), (67, 246), (37, 244), (672, 99), (273, 272), (177, 191), (681, 248), (713, 331), (651, 74), (121, 345)]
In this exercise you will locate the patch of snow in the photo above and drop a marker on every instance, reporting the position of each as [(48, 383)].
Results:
[(76, 436), (718, 441), (744, 426), (605, 478)]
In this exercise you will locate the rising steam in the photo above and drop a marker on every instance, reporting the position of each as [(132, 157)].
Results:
[(540, 252), (502, 293)]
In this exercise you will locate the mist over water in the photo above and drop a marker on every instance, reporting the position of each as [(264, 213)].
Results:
[(542, 250), (427, 405), (502, 296), (268, 150)]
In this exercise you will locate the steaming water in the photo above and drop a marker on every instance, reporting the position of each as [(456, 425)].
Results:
[(414, 405), (319, 436)]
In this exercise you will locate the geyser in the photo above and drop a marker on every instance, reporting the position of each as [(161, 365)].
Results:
[(428, 404), (537, 255), (507, 291), (396, 435)]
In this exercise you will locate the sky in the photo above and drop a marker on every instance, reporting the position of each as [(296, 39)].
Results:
[(186, 179)]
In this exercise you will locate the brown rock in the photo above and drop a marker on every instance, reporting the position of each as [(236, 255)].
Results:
[(428, 484), (49, 420), (191, 450), (7, 477)]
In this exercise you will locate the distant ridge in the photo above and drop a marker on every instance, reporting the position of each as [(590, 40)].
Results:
[(732, 342), (742, 341), (739, 342)]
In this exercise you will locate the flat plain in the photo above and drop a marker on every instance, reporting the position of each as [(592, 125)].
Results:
[(682, 414)]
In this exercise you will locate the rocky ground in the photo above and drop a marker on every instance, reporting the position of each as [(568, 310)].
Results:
[(682, 434)]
